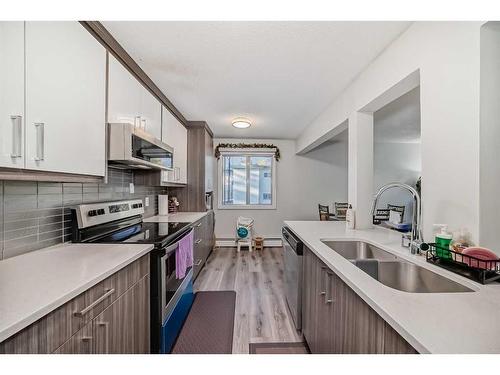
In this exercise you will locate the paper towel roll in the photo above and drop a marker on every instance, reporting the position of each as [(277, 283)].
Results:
[(163, 205)]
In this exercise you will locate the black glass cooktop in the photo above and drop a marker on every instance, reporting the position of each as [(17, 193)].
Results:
[(156, 233)]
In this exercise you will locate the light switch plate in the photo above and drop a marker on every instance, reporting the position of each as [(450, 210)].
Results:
[(131, 188), (146, 201)]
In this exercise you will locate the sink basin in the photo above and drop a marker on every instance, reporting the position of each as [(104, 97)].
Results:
[(409, 277), (389, 270), (353, 250)]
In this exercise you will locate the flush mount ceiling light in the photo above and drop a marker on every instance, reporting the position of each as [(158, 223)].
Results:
[(241, 123)]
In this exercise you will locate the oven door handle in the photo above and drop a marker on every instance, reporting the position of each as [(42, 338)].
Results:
[(174, 246)]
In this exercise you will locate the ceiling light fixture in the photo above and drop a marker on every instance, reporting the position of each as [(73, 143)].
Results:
[(241, 123)]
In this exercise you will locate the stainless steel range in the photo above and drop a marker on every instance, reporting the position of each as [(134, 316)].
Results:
[(116, 222)]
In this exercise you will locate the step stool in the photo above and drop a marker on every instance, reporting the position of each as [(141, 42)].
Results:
[(259, 243)]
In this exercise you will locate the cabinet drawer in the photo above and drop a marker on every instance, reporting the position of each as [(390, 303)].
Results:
[(81, 342), (114, 286), (54, 329)]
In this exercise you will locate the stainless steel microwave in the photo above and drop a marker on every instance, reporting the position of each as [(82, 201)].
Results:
[(133, 148)]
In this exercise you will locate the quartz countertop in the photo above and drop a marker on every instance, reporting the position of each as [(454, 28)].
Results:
[(431, 322), (180, 217), (36, 283)]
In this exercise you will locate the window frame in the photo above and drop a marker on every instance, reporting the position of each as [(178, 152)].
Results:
[(220, 178)]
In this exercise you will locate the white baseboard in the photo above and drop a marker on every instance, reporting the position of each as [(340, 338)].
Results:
[(268, 242)]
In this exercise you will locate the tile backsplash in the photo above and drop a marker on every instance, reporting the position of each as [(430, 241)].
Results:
[(34, 215)]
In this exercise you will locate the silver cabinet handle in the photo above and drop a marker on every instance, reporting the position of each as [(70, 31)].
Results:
[(198, 262), (322, 290), (85, 311), (40, 141), (137, 122), (17, 135), (106, 326), (197, 241), (328, 299), (198, 225)]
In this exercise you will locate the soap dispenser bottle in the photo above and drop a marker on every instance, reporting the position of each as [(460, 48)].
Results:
[(443, 241)]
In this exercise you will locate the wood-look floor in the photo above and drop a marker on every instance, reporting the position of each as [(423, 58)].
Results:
[(258, 279)]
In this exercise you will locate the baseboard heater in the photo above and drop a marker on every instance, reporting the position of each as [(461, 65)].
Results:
[(231, 242)]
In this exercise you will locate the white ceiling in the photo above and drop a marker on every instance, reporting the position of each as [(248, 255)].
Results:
[(399, 121), (280, 75)]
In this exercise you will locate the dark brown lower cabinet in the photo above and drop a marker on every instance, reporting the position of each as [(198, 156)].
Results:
[(110, 317), (123, 327), (337, 321), (81, 342), (204, 241)]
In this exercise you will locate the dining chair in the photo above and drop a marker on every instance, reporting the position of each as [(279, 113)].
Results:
[(324, 212)]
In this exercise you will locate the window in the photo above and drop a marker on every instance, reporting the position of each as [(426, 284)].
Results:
[(247, 180)]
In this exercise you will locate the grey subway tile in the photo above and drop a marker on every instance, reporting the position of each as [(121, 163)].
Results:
[(50, 188), (19, 203), (20, 233), (20, 188), (50, 200)]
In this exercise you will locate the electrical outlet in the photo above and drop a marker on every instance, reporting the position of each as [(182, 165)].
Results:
[(146, 201), (131, 188)]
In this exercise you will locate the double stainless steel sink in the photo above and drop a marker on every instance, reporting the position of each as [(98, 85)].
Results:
[(392, 271)]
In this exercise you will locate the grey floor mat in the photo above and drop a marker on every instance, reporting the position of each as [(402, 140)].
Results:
[(279, 348), (209, 326)]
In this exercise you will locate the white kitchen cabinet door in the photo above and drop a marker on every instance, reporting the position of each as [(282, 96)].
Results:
[(150, 113), (65, 99), (180, 156), (175, 135), (124, 94), (12, 94)]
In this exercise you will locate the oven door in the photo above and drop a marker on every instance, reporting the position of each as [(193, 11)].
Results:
[(172, 289)]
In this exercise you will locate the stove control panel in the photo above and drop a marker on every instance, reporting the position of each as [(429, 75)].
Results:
[(99, 213)]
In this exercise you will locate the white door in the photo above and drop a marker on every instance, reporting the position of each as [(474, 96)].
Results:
[(12, 94), (124, 94), (175, 135), (150, 113), (65, 99)]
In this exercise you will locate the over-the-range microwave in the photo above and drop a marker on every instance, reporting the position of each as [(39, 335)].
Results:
[(134, 148)]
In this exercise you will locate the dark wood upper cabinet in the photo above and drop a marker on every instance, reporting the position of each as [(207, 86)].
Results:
[(201, 165)]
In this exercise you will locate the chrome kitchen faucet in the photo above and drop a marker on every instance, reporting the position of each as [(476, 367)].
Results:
[(414, 240)]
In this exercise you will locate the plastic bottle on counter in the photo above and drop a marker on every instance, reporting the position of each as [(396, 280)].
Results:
[(461, 240), (349, 217), (443, 241)]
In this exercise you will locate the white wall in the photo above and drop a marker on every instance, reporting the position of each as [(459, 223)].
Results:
[(490, 136), (319, 176), (397, 155), (396, 162), (447, 56)]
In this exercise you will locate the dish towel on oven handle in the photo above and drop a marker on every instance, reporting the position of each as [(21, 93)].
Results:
[(184, 256)]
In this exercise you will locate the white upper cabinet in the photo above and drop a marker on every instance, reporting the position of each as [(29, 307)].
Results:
[(124, 94), (129, 101), (174, 134), (65, 99), (12, 94), (150, 113)]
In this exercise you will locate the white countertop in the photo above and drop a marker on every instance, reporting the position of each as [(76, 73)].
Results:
[(180, 217), (430, 322), (36, 283)]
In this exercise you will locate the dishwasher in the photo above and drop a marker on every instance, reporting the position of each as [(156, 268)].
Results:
[(293, 250)]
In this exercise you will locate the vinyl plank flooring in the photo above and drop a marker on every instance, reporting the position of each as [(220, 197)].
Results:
[(261, 314)]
